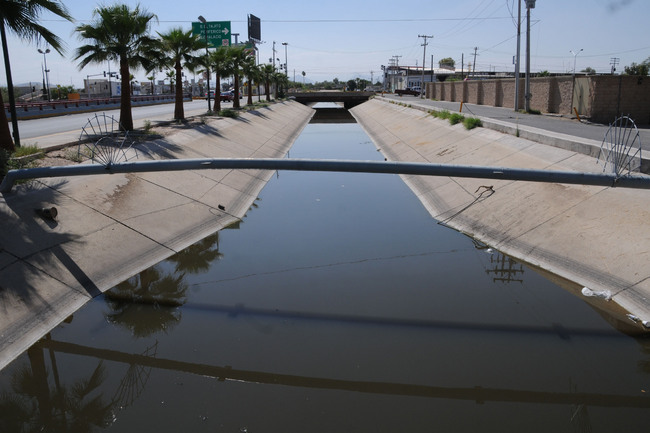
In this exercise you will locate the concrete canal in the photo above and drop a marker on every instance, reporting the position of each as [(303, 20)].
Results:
[(336, 304)]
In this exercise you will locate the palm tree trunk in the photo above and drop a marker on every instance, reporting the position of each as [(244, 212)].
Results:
[(217, 94), (267, 90), (235, 102), (179, 112), (5, 135), (126, 118), (250, 91)]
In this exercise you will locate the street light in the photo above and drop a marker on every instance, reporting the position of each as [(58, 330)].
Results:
[(286, 69), (47, 77), (530, 4), (207, 53), (573, 79), (575, 57)]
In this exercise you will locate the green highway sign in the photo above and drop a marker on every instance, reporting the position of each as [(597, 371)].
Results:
[(218, 32)]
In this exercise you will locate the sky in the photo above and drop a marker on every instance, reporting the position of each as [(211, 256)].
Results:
[(354, 38)]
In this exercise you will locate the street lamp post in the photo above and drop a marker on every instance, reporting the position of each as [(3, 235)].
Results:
[(207, 68), (573, 78), (286, 69), (47, 77)]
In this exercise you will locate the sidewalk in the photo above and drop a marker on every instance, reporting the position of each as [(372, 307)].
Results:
[(550, 129)]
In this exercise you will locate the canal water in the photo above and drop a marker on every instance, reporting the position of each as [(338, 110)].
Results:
[(336, 305)]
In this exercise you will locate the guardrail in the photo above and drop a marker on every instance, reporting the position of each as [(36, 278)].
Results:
[(29, 109)]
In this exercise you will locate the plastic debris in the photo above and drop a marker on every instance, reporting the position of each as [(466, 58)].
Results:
[(602, 294)]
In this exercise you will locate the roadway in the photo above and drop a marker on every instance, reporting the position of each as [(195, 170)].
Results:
[(49, 132)]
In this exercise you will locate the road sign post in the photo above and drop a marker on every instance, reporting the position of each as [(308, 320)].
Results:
[(218, 33)]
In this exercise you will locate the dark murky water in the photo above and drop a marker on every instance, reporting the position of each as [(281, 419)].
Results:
[(336, 305)]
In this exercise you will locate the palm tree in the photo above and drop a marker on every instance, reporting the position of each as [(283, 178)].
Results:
[(180, 49), (151, 78), (237, 56), (119, 34), (267, 72), (281, 82), (221, 66), (250, 70), (21, 17)]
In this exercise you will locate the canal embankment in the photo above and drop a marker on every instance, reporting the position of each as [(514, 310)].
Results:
[(111, 227), (596, 237)]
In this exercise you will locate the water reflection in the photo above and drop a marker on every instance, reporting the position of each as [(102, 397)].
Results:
[(37, 405), (131, 301), (339, 305)]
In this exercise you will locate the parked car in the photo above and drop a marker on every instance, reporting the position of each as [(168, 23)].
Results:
[(227, 96), (415, 91)]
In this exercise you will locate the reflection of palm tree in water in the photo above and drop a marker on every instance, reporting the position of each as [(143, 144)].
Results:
[(148, 303), (35, 406), (197, 258)]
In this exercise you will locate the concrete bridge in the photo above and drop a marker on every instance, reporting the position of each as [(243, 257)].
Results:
[(349, 99)]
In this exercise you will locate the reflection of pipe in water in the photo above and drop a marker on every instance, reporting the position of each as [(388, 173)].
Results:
[(477, 393)]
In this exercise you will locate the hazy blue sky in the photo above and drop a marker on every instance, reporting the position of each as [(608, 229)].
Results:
[(353, 38)]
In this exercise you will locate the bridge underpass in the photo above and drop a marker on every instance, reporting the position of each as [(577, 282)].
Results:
[(349, 99)]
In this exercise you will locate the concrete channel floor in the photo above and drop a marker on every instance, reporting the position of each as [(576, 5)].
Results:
[(111, 227)]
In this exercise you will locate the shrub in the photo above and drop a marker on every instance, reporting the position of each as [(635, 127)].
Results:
[(456, 118), (472, 122), (229, 112)]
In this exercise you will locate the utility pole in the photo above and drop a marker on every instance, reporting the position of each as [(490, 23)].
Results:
[(273, 55), (424, 54), (530, 4), (474, 64), (462, 66), (614, 61), (518, 61)]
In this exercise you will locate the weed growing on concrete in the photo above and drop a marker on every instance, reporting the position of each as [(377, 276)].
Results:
[(228, 112), (147, 126), (472, 122), (444, 114), (73, 155), (456, 118), (24, 151)]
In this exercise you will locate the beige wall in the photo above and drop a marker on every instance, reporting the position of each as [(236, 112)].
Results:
[(600, 98)]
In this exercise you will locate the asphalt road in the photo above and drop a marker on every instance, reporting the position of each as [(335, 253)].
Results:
[(47, 126)]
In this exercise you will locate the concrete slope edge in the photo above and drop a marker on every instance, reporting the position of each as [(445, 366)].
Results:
[(112, 227), (593, 236), (582, 145)]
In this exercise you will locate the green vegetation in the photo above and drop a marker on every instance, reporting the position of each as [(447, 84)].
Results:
[(23, 157), (641, 69), (229, 112), (456, 118), (472, 122)]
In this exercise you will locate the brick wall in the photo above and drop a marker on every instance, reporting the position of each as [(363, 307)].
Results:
[(600, 98)]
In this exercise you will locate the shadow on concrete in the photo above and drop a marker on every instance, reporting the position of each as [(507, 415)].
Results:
[(30, 238)]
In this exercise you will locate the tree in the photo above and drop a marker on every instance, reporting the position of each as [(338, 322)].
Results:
[(352, 85), (180, 49), (218, 61), (266, 73), (119, 34), (250, 70), (22, 17), (447, 62), (589, 70), (641, 69), (237, 57)]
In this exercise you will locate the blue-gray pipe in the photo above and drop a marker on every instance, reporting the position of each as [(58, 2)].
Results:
[(413, 168)]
